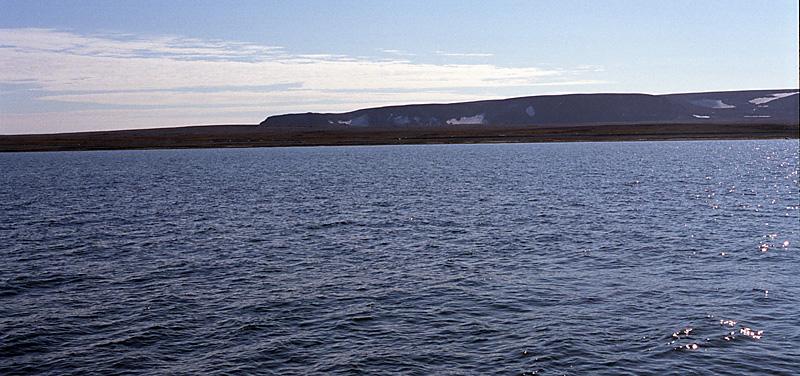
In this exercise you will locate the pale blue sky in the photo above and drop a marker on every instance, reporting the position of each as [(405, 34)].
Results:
[(84, 65)]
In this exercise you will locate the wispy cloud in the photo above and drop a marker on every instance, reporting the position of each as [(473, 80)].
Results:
[(118, 45), (174, 75), (396, 52), (463, 54)]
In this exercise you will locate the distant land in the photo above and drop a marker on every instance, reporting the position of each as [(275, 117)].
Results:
[(752, 114), (752, 106)]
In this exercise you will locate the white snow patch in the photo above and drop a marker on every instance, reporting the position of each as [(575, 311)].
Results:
[(360, 121), (772, 97), (477, 119), (712, 103), (757, 116), (701, 116), (530, 111)]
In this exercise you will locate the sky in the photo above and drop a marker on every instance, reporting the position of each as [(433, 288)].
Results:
[(68, 66)]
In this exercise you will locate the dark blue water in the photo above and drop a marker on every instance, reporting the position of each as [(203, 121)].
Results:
[(551, 259)]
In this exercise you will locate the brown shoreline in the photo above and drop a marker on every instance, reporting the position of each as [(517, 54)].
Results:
[(228, 136)]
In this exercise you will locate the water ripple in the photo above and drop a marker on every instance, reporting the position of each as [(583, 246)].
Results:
[(586, 258)]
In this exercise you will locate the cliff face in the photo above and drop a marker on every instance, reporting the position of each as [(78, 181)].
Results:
[(773, 106)]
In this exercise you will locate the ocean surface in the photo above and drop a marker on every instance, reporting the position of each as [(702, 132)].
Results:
[(659, 258)]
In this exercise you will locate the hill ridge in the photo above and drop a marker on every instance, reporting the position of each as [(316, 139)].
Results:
[(743, 106)]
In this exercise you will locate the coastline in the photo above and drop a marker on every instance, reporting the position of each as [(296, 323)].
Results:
[(242, 136)]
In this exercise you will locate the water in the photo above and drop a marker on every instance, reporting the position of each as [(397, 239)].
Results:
[(551, 259)]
